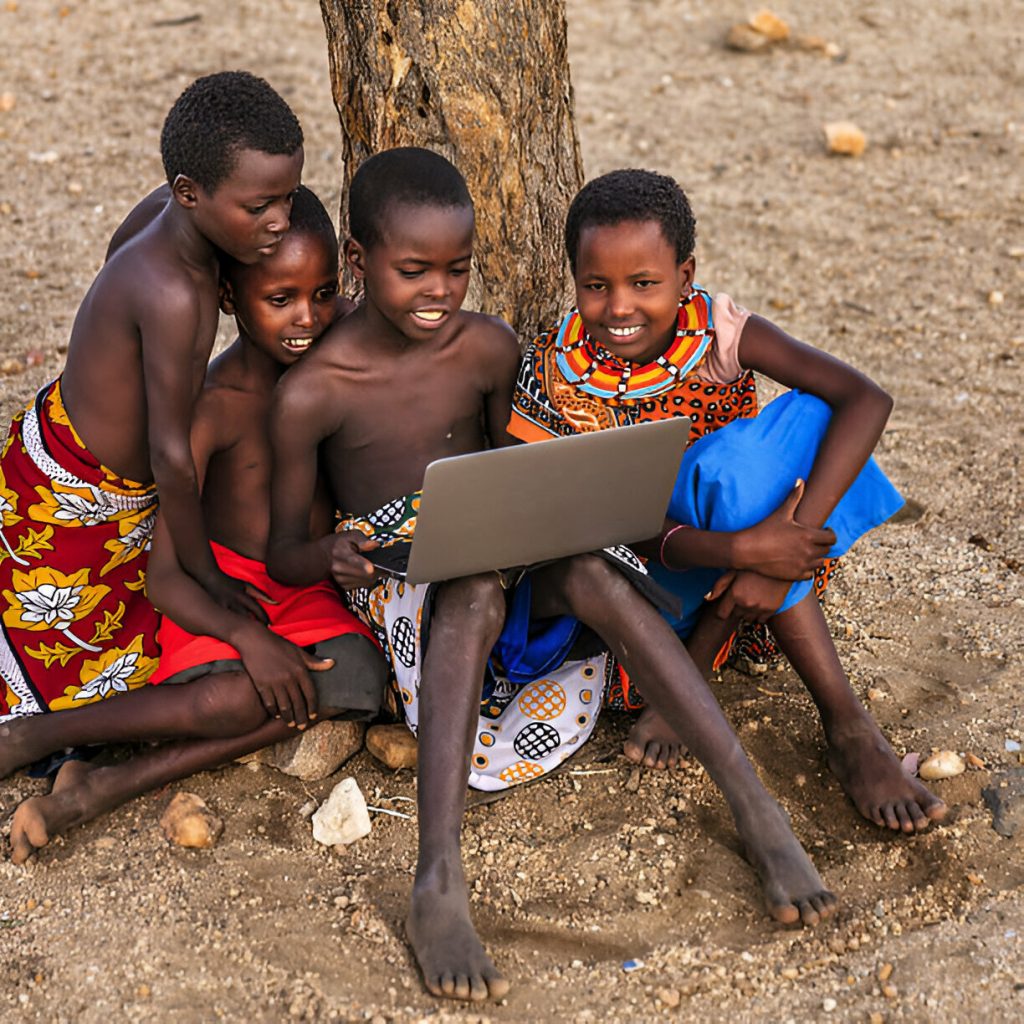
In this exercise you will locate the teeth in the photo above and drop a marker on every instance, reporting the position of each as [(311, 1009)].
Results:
[(300, 344), (623, 332), (432, 315)]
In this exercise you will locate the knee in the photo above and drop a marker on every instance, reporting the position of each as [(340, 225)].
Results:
[(227, 704), (589, 581), (475, 603)]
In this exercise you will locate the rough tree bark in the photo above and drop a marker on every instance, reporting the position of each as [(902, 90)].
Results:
[(486, 83)]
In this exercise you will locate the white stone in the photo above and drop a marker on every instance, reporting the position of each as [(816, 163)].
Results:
[(342, 818)]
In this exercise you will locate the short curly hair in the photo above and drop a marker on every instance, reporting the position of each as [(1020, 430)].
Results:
[(632, 195), (407, 174), (218, 115)]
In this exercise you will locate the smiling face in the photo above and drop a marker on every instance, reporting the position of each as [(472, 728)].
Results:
[(248, 212), (628, 283), (416, 276), (287, 300)]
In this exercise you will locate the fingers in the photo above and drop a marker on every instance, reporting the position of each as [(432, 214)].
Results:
[(791, 502), (367, 544), (260, 595), (721, 585), (315, 664), (307, 706), (248, 605)]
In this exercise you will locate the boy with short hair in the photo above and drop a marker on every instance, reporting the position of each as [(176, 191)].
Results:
[(409, 377), (242, 685), (82, 466), (647, 343)]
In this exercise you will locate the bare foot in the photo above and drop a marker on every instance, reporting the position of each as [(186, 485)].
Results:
[(39, 818), (867, 769), (793, 889), (652, 742), (451, 957)]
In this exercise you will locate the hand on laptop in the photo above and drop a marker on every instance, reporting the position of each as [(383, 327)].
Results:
[(348, 566)]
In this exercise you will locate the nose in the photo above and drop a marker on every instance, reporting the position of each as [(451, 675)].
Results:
[(305, 316), (280, 217), (620, 302), (435, 286)]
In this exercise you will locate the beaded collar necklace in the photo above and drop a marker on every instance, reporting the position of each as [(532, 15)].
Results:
[(596, 371)]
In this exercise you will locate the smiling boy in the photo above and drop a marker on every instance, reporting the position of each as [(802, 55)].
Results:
[(83, 464)]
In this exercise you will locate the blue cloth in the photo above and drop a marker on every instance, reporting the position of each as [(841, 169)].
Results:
[(741, 473), (529, 650)]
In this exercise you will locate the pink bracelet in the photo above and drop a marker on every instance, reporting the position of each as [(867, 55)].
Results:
[(664, 541)]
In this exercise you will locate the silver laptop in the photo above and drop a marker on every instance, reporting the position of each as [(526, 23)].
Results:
[(509, 507)]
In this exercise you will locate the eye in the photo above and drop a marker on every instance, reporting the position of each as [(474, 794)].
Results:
[(326, 293), (410, 275), (459, 272), (594, 287), (642, 285), (257, 210), (277, 300)]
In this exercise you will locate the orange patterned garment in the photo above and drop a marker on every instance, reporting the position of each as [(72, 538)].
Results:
[(74, 540)]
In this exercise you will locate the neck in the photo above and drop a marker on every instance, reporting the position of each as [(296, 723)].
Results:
[(257, 366), (194, 248)]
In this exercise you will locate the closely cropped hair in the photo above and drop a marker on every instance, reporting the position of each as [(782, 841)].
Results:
[(309, 217), (404, 175), (632, 195), (218, 115)]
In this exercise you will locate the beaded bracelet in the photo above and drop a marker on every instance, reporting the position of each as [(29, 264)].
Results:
[(664, 541)]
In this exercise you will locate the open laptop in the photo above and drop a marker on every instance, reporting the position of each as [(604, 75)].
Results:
[(531, 503)]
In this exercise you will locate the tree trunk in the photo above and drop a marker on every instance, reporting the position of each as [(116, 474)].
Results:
[(486, 83)]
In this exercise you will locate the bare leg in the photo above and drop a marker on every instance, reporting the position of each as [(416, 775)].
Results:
[(858, 753), (82, 792), (194, 710), (652, 742), (643, 641), (467, 620)]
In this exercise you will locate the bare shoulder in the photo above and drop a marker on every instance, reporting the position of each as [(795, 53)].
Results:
[(140, 217), (492, 338)]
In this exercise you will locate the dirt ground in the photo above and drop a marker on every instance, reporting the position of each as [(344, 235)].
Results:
[(905, 261)]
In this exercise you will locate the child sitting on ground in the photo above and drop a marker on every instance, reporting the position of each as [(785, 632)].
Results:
[(646, 344), (80, 472), (409, 378), (243, 686)]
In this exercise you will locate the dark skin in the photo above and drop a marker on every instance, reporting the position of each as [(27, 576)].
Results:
[(144, 332), (628, 280), (281, 305), (409, 378)]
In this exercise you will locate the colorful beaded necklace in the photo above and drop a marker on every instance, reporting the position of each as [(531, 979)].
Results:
[(595, 370)]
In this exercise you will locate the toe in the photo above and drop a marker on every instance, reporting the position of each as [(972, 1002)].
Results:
[(497, 985), (937, 811), (448, 984), (904, 817), (463, 987), (889, 816)]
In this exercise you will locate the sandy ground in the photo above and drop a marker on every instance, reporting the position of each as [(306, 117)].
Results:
[(906, 262)]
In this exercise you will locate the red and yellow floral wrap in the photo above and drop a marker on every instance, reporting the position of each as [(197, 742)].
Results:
[(74, 541)]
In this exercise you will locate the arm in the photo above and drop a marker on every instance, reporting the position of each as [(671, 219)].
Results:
[(297, 426), (860, 409), (169, 326), (502, 355), (277, 668)]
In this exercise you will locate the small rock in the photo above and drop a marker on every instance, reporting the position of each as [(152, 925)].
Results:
[(884, 972), (7, 102), (633, 782), (828, 1005), (789, 973), (11, 366), (48, 156), (314, 753), (875, 694), (819, 45), (342, 818), (910, 763), (394, 745), (974, 761), (646, 897), (1005, 799), (307, 809), (75, 188), (671, 997), (943, 765), (1011, 746), (189, 822), (746, 38), (632, 965), (845, 138), (770, 25), (996, 297), (890, 991)]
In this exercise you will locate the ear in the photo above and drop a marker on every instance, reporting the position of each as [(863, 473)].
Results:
[(687, 270), (185, 191), (226, 297), (354, 257)]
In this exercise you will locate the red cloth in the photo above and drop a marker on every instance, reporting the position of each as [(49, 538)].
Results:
[(303, 615), (74, 539)]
